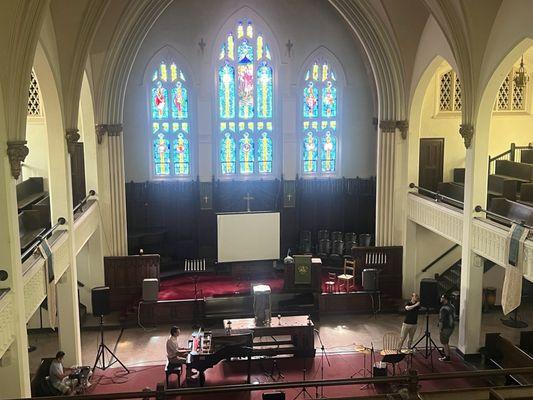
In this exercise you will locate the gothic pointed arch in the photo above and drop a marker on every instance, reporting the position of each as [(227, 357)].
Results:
[(247, 134), (320, 89), (169, 91)]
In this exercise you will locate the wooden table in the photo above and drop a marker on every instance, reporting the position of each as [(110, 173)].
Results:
[(299, 330)]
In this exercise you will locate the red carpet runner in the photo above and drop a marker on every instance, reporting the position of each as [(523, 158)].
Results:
[(225, 373)]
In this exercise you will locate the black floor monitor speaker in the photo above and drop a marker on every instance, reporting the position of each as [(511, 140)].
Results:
[(429, 294), (370, 279), (100, 300), (274, 396)]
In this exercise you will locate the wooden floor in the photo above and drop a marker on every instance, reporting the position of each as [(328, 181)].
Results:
[(339, 333)]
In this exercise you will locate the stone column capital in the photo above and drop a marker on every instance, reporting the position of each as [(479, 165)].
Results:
[(72, 135), (403, 127), (467, 132), (110, 129), (387, 126), (17, 152)]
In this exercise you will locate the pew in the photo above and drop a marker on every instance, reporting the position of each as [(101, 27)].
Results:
[(521, 172), (508, 393), (459, 175), (526, 194), (32, 223), (485, 393), (526, 342), (29, 192), (499, 186), (504, 354), (512, 210), (526, 156), (453, 191)]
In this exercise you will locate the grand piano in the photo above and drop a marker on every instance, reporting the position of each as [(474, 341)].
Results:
[(210, 347)]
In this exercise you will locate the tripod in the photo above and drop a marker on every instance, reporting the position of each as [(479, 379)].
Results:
[(372, 361), (303, 391), (429, 342), (323, 354), (102, 348)]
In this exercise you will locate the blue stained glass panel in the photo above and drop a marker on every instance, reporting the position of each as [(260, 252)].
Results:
[(180, 147), (310, 99), (264, 154), (264, 91), (329, 100), (328, 153), (180, 102), (310, 153), (161, 156), (227, 154), (226, 91), (159, 101), (246, 154)]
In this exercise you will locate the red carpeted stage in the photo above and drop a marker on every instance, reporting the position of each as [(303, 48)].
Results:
[(234, 372)]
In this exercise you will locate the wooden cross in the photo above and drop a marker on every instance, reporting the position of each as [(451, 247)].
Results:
[(201, 43), (248, 198), (289, 45)]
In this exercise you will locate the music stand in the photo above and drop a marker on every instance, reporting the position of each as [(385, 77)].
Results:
[(513, 321), (303, 391)]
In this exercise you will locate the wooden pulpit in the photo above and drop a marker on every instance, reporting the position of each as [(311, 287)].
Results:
[(305, 274)]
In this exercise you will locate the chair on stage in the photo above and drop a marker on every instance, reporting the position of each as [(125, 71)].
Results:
[(331, 282), (347, 278), (391, 342), (304, 246), (324, 248), (172, 368)]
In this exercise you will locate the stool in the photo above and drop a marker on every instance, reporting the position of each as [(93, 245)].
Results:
[(173, 368)]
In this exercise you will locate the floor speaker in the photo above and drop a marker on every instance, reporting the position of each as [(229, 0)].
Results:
[(150, 289), (100, 300), (370, 279), (379, 369), (429, 294), (274, 396)]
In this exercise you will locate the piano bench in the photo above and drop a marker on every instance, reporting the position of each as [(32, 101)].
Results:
[(173, 368)]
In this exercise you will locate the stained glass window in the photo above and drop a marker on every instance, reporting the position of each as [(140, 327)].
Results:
[(245, 99), (169, 105), (319, 128)]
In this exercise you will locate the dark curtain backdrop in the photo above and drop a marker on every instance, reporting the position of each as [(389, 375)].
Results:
[(165, 217)]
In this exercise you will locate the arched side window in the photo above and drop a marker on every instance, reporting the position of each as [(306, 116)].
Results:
[(319, 117), (245, 104), (169, 121)]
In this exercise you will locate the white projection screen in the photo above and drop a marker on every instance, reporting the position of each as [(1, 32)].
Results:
[(248, 236)]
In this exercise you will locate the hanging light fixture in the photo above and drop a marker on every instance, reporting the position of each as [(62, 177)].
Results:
[(521, 77)]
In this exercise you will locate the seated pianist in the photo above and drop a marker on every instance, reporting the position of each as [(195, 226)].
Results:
[(58, 378), (175, 353)]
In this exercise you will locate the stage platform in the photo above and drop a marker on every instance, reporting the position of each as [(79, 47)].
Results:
[(220, 296)]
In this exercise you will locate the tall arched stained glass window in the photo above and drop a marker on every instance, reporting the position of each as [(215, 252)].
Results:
[(169, 104), (245, 103), (319, 121)]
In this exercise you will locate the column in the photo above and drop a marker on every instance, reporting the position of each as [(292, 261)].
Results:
[(113, 186), (385, 183), (14, 364), (471, 264), (60, 188)]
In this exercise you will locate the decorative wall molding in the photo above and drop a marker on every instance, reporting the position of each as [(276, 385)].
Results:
[(403, 127), (7, 322), (467, 132), (17, 152), (437, 217), (110, 129), (388, 126), (72, 137)]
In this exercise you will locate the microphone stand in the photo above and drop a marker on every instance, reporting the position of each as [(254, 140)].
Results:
[(372, 361), (324, 354)]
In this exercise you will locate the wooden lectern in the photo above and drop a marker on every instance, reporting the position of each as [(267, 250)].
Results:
[(305, 274)]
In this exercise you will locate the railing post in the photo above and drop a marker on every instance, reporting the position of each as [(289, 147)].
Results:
[(160, 391), (513, 149), (412, 384)]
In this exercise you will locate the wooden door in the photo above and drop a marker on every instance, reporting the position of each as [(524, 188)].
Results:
[(431, 163)]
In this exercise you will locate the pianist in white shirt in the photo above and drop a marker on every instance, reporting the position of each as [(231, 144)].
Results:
[(175, 353)]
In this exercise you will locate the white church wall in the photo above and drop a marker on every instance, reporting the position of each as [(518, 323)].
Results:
[(36, 163), (184, 24)]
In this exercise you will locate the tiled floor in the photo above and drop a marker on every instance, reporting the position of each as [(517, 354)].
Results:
[(138, 346)]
